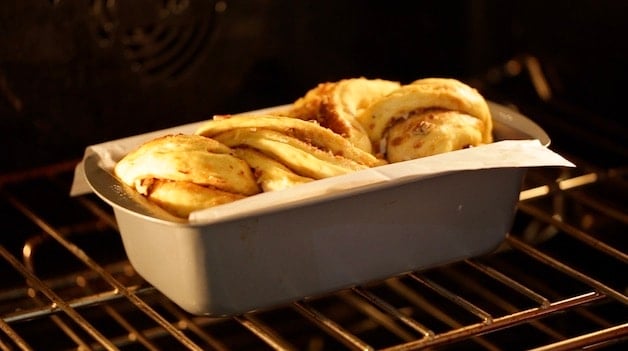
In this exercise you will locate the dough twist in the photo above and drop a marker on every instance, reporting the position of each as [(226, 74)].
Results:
[(336, 105), (428, 116), (304, 149), (336, 128), (183, 173)]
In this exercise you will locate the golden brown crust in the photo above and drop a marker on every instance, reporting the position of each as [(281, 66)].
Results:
[(335, 105), (309, 132), (430, 133), (187, 158), (421, 95), (469, 101), (301, 157), (271, 174), (180, 198), (336, 128), (175, 170)]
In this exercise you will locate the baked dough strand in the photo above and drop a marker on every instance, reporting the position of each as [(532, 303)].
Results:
[(295, 154), (422, 95), (336, 105), (307, 131), (184, 173), (271, 175), (334, 129)]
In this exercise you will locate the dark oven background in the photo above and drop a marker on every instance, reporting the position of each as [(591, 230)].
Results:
[(79, 72), (74, 73)]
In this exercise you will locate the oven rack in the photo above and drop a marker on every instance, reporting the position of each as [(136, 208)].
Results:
[(558, 282)]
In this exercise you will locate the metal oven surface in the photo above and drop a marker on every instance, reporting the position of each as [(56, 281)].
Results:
[(556, 283)]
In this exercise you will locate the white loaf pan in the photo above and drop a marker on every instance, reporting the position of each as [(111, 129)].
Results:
[(280, 253)]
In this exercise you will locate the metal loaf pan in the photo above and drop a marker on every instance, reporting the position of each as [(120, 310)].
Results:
[(237, 265)]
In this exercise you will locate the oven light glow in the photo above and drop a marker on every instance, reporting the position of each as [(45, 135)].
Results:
[(562, 185), (578, 181), (534, 192)]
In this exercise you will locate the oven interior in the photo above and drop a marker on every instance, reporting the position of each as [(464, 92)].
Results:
[(77, 73)]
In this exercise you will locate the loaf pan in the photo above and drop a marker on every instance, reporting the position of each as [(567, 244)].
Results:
[(261, 252)]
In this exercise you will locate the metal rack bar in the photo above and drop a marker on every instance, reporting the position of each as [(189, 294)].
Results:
[(374, 306), (550, 293), (416, 299), (507, 307), (394, 312), (119, 288), (499, 322), (56, 301), (88, 300), (188, 323), (378, 317), (457, 299), (538, 255), (580, 342), (561, 185), (508, 281), (133, 333), (15, 337), (264, 332), (574, 232), (330, 326)]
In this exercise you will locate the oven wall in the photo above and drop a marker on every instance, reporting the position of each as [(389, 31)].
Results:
[(74, 73)]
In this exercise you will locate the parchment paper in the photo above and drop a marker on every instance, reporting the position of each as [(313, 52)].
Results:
[(507, 153)]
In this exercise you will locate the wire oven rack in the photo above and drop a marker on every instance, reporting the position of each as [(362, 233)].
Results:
[(558, 282)]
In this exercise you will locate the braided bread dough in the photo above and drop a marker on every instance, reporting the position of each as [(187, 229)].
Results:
[(183, 173), (336, 128), (336, 105), (421, 105), (309, 131), (231, 157), (431, 132)]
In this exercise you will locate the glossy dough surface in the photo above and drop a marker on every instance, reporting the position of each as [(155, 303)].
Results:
[(336, 106), (420, 96), (183, 173), (335, 128)]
